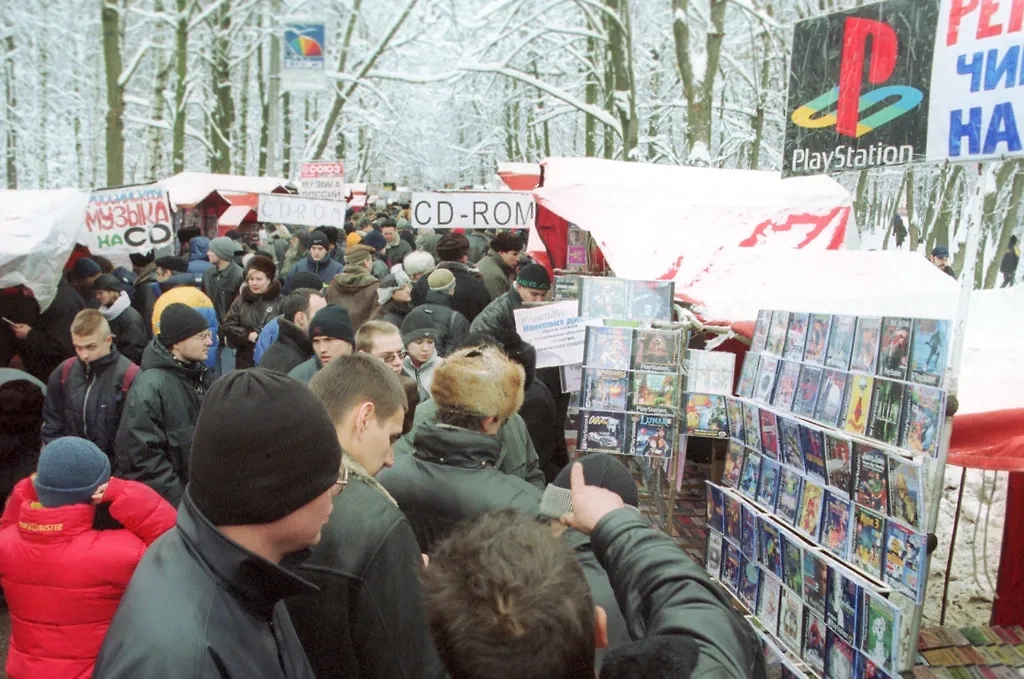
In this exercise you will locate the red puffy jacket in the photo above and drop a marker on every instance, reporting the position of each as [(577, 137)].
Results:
[(63, 580)]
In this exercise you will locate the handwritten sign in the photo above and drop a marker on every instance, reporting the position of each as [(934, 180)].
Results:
[(555, 331), (277, 208), (126, 220)]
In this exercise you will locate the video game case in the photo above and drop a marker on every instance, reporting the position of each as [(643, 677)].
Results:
[(651, 436), (857, 404), (829, 408), (768, 602), (866, 341), (751, 430), (790, 446), (906, 491), (776, 340), (710, 372), (658, 394), (812, 444), (771, 546), (924, 415), (732, 560), (894, 350), (791, 616), (764, 387), (812, 499), (807, 390), (768, 483), (715, 507), (815, 634), (871, 478), (867, 540), (815, 581), (787, 506), (840, 342), (748, 375), (657, 351), (713, 554), (769, 434), (880, 631), (886, 406), (760, 338), (842, 607), (796, 337), (838, 463), (840, 656), (866, 669), (733, 464), (750, 475), (750, 579), (835, 525), (793, 563), (566, 287), (733, 517), (602, 297), (602, 432), (734, 410), (705, 415), (904, 560), (785, 386), (749, 530), (605, 390), (650, 300), (817, 339), (607, 348), (929, 351)]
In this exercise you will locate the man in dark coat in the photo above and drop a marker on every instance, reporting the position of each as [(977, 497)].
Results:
[(48, 341), (471, 296), (397, 248), (498, 267), (318, 261), (144, 268), (207, 599), (452, 475), (368, 620), (1008, 265), (85, 395), (155, 436), (532, 285), (223, 281), (130, 333), (437, 311), (293, 345)]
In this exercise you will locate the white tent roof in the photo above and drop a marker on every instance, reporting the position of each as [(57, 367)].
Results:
[(519, 168), (185, 189)]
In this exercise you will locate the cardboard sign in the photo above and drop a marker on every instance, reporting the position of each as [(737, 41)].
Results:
[(473, 210), (277, 208), (555, 331), (322, 180), (126, 220)]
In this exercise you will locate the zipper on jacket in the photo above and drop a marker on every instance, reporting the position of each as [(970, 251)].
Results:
[(85, 403)]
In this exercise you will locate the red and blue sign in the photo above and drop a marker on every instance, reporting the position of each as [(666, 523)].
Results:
[(303, 66)]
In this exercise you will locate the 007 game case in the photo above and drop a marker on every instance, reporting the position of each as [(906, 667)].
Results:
[(602, 432)]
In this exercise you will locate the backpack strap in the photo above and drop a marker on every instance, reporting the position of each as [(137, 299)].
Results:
[(129, 377), (65, 370)]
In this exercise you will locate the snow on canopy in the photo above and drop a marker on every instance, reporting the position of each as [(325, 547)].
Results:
[(38, 230), (186, 189)]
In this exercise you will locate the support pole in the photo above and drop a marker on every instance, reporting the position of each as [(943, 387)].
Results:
[(952, 545)]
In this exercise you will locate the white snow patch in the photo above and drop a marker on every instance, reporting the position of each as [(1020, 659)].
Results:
[(699, 156)]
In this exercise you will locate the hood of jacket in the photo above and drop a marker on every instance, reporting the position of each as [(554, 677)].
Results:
[(272, 293), (197, 249), (439, 298), (179, 279), (159, 357), (457, 447), (111, 312), (354, 278)]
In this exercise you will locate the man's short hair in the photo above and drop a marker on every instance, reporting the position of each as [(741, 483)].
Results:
[(506, 599), (297, 301), (505, 242), (355, 379), (369, 332), (88, 322), (452, 247)]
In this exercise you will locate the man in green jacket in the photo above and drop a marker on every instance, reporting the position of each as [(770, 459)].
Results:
[(498, 267)]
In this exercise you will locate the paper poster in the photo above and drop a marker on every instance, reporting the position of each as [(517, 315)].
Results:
[(555, 331), (126, 220)]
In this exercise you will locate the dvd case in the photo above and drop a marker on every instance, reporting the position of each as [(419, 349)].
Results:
[(829, 408), (710, 372), (769, 434), (785, 387), (807, 391), (871, 478), (904, 560), (894, 351), (765, 385), (840, 342), (858, 403), (793, 563), (732, 560), (880, 631), (602, 432), (815, 581), (602, 297), (771, 547), (776, 340), (838, 463), (657, 351), (929, 349), (840, 656), (748, 375), (866, 541), (713, 554), (733, 517), (841, 607), (812, 443), (865, 345), (796, 337), (791, 616), (750, 578), (886, 407), (811, 500), (651, 436), (768, 483), (715, 507), (749, 531), (906, 491), (734, 409), (924, 415), (750, 475), (608, 348), (790, 446), (658, 394), (768, 602), (760, 338), (815, 634), (705, 415), (817, 339), (605, 390), (835, 525), (788, 505), (751, 430), (650, 300)]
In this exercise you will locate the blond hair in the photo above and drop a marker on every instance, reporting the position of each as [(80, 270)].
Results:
[(369, 331), (88, 322)]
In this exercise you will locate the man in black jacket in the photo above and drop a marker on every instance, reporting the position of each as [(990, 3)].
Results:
[(531, 285), (47, 342), (470, 296), (207, 598), (438, 311), (293, 345), (368, 620), (453, 474), (542, 623), (155, 435), (130, 334), (85, 395)]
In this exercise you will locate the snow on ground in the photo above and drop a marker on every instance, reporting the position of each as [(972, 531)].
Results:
[(977, 549)]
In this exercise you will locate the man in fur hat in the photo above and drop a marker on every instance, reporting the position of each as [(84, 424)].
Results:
[(451, 476), (368, 561)]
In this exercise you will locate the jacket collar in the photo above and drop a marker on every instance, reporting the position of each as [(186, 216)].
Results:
[(439, 298), (117, 308), (257, 583), (293, 335), (456, 447), (500, 262), (273, 292), (356, 469), (455, 267), (39, 523), (101, 364)]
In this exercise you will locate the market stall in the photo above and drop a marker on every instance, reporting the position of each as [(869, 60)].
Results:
[(200, 199)]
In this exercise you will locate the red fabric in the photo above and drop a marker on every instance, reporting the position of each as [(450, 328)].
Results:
[(1008, 608), (520, 182), (992, 441), (63, 580)]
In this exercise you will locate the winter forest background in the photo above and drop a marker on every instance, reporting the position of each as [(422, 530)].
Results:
[(428, 92)]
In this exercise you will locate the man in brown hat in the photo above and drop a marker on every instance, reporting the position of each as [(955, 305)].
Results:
[(355, 288)]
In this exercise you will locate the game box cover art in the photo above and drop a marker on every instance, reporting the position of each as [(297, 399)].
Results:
[(838, 463), (602, 432), (760, 338), (796, 337), (815, 581), (906, 491), (734, 409), (658, 351), (785, 387), (865, 345), (858, 403), (929, 349), (776, 341), (829, 407), (705, 415), (602, 297), (817, 339), (841, 607), (835, 525), (840, 342), (765, 384), (866, 544), (769, 434), (807, 391), (768, 484), (871, 478), (608, 347), (713, 554), (894, 351), (924, 414), (605, 389), (790, 446), (751, 430), (904, 559), (657, 394), (652, 436), (886, 407), (788, 506)]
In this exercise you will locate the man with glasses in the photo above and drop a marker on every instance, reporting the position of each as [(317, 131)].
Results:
[(368, 561), (383, 340), (153, 441)]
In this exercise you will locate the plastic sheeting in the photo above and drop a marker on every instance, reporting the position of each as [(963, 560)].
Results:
[(38, 230)]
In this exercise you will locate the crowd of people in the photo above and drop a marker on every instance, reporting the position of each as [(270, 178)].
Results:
[(323, 455)]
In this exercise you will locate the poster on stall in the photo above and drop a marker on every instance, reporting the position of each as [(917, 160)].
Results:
[(322, 179), (555, 331), (302, 64), (126, 220)]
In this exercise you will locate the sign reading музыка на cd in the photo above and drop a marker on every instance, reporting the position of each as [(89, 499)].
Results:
[(905, 81)]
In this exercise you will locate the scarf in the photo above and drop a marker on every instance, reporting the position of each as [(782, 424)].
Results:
[(117, 308), (356, 469)]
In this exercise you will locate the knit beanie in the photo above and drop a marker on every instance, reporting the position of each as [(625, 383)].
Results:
[(179, 322), (418, 263), (395, 280), (172, 263), (319, 238), (107, 282), (605, 472), (441, 280), (534, 276), (305, 279), (375, 240), (418, 324), (482, 382), (85, 268), (254, 462), (333, 321), (357, 254), (70, 470), (262, 263), (224, 247)]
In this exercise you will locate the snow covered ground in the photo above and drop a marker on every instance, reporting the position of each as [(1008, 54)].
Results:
[(977, 549)]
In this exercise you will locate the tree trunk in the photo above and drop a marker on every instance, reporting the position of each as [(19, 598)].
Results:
[(860, 208), (609, 104), (931, 214), (911, 224), (620, 47), (939, 235), (1010, 222), (223, 117), (261, 92), (699, 95), (286, 134), (11, 140), (156, 132), (242, 161), (180, 74), (110, 19), (590, 122)]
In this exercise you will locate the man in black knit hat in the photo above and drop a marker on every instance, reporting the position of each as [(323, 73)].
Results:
[(332, 336), (207, 598), (155, 434)]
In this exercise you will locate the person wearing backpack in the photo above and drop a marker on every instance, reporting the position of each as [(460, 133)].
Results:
[(85, 394), (450, 326)]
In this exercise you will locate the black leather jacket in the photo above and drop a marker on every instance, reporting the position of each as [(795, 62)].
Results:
[(201, 606), (499, 314)]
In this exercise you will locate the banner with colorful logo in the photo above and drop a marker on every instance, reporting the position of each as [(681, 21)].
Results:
[(126, 220), (303, 67)]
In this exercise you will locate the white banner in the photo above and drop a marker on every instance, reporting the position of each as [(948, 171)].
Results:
[(474, 210), (555, 331), (129, 219), (277, 208), (322, 179), (302, 63), (976, 84)]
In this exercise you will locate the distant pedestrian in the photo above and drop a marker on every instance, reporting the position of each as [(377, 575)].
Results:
[(1011, 258), (940, 258)]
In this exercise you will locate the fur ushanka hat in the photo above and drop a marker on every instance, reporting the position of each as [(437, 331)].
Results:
[(479, 381)]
